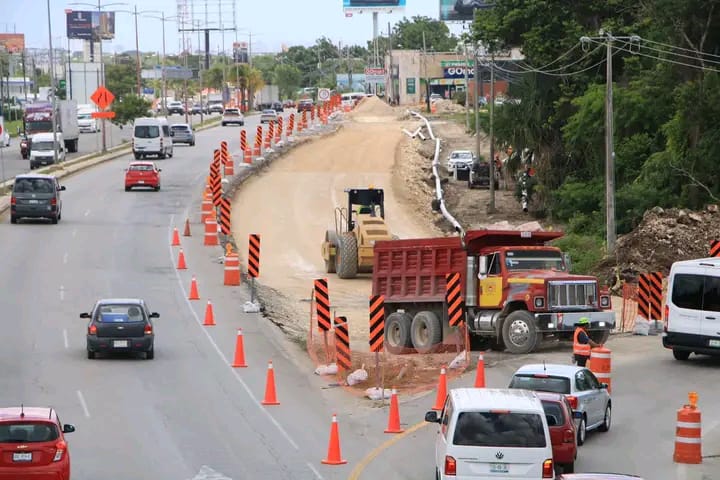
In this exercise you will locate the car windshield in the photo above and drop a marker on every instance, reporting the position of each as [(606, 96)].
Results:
[(542, 383), (33, 185), (269, 112), (467, 155), (84, 116), (499, 429), (534, 260), (554, 413), (28, 432), (141, 168), (180, 128), (229, 111), (42, 146), (119, 314), (147, 131)]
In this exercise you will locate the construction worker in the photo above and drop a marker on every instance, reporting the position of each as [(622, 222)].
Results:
[(582, 344)]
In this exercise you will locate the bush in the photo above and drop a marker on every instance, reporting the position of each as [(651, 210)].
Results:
[(459, 98), (585, 251)]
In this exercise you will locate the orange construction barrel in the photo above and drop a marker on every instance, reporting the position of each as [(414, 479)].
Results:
[(688, 433), (211, 232), (206, 208), (232, 268), (601, 366)]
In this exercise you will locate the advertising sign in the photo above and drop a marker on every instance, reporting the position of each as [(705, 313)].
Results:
[(375, 75), (369, 6), (12, 42), (410, 86), (458, 72), (343, 82), (90, 25), (461, 10), (241, 52)]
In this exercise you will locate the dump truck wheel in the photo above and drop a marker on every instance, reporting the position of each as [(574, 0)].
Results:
[(519, 332), (398, 339), (346, 256), (330, 238), (426, 332)]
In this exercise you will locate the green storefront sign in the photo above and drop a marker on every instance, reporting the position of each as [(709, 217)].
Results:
[(455, 63), (410, 86)]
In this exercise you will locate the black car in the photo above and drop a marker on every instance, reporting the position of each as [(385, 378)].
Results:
[(278, 107), (305, 106), (36, 195), (120, 325)]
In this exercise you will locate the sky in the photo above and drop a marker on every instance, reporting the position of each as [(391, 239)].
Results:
[(272, 23)]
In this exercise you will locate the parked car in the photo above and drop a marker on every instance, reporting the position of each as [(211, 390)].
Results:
[(583, 390), (120, 325), (563, 431), (182, 133), (196, 109), (268, 116), (175, 108), (278, 107), (460, 159), (233, 115), (36, 195), (142, 174), (33, 444), (304, 105), (480, 176)]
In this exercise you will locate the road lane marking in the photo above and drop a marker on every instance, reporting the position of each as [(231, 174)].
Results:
[(315, 471), (360, 468), (65, 338), (62, 292), (87, 212), (83, 404), (221, 354), (65, 258)]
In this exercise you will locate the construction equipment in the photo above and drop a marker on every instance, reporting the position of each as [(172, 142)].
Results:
[(348, 250)]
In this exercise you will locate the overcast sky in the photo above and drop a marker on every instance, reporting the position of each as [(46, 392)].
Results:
[(273, 23)]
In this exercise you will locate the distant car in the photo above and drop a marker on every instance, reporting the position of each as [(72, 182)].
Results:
[(268, 116), (233, 115), (435, 96), (36, 195), (583, 390), (175, 108), (563, 431), (182, 133), (278, 107), (461, 159), (196, 109), (142, 174), (304, 105), (466, 7), (120, 325), (216, 107), (32, 444), (289, 104)]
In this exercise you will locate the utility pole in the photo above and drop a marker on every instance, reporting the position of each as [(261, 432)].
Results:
[(102, 79), (611, 233), (427, 83), (54, 88), (478, 80), (137, 54), (491, 206), (467, 84)]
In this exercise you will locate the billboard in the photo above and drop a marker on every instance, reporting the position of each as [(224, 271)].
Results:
[(461, 10), (369, 6), (12, 42), (356, 83), (241, 52), (90, 25), (375, 75)]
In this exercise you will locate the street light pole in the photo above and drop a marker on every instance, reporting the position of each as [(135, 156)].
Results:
[(137, 54), (54, 88), (164, 78), (102, 78)]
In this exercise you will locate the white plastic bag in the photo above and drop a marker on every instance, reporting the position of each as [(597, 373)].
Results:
[(642, 326), (458, 362), (376, 393), (358, 376), (331, 369)]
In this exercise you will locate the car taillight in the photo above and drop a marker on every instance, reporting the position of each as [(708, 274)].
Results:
[(548, 470), (568, 436), (13, 200), (53, 201), (61, 447), (148, 330), (92, 330), (666, 317), (450, 465), (573, 401)]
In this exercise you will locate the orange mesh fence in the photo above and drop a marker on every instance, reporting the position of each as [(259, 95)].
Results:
[(630, 305)]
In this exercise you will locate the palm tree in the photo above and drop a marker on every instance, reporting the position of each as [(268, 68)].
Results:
[(248, 79)]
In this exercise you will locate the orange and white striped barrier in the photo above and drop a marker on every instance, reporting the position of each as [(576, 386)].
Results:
[(688, 433), (291, 126), (243, 140), (229, 167), (232, 267), (279, 131), (601, 366), (247, 156), (206, 207), (211, 232)]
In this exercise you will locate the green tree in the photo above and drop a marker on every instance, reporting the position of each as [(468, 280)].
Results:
[(287, 78), (409, 34), (266, 65), (130, 108), (121, 79)]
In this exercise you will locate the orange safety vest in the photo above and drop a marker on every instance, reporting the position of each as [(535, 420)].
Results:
[(582, 349)]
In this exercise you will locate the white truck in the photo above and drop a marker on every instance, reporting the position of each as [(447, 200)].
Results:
[(266, 96), (86, 122)]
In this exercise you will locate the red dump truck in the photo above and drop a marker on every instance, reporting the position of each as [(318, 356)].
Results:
[(517, 291)]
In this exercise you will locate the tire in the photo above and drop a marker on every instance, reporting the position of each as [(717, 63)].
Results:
[(224, 124), (681, 355), (150, 354), (398, 338), (581, 432), (161, 156), (607, 420), (13, 219), (171, 154), (519, 332), (192, 144), (599, 336), (346, 257), (568, 467), (426, 332), (60, 215), (54, 220), (157, 189), (127, 189), (90, 355), (330, 238)]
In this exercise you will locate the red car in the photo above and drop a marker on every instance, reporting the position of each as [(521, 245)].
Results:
[(142, 174), (563, 432), (32, 444)]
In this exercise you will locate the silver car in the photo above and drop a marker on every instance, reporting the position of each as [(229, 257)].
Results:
[(585, 393), (460, 159), (182, 133), (268, 116)]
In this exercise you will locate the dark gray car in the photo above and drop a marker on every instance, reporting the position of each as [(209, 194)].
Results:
[(36, 195), (120, 325), (182, 133)]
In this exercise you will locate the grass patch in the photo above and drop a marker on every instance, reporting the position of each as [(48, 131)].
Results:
[(12, 127), (585, 251)]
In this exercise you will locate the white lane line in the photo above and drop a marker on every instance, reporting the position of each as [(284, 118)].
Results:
[(83, 404), (65, 258), (221, 354), (87, 212), (65, 339), (62, 292), (315, 471)]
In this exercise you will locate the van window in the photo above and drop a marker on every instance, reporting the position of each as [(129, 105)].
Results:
[(711, 297), (166, 131), (34, 185), (500, 429), (687, 291), (541, 384), (146, 131), (447, 415)]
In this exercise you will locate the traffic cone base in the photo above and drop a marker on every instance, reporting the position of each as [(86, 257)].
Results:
[(239, 361), (334, 457), (193, 290), (209, 316), (270, 393)]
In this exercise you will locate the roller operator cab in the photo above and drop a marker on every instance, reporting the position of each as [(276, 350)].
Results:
[(348, 249), (517, 291)]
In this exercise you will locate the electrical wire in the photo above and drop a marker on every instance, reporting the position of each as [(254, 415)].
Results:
[(679, 48), (667, 60), (567, 74), (572, 49), (691, 57)]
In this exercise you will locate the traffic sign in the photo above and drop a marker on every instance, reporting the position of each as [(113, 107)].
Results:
[(324, 94), (102, 97), (102, 114), (0, 129), (61, 84)]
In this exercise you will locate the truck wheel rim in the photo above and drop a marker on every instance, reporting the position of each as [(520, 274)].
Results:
[(519, 332), (422, 335), (393, 335)]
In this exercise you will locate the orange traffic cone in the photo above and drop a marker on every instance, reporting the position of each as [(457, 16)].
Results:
[(441, 391), (186, 233), (193, 290), (209, 316), (480, 374), (175, 238), (334, 457), (181, 261), (239, 361), (270, 394), (394, 419)]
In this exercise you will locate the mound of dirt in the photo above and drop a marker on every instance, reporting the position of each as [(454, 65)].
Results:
[(373, 107), (448, 106), (663, 237)]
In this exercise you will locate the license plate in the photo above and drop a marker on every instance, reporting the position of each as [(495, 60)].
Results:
[(714, 343), (120, 343), (498, 468), (141, 181), (32, 202), (22, 457)]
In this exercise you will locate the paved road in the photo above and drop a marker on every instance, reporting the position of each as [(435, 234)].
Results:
[(185, 413), (648, 388)]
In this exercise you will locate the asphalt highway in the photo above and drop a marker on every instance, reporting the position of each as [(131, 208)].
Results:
[(185, 414)]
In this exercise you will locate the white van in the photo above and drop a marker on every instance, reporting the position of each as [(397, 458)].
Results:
[(151, 136), (86, 122), (692, 308), (492, 433), (42, 149)]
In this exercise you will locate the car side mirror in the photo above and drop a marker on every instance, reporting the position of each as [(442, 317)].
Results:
[(603, 386), (62, 188), (154, 315), (84, 315), (159, 169), (578, 415), (432, 417), (67, 428)]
